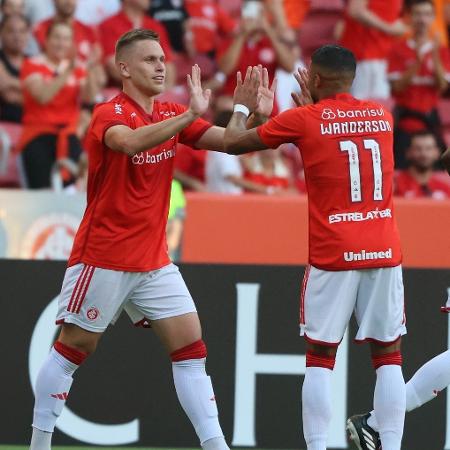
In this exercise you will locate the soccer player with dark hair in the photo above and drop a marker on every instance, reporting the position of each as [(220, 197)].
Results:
[(119, 258), (354, 247)]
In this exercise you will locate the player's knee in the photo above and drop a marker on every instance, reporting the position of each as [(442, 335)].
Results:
[(387, 359), (79, 339), (323, 360), (196, 350), (381, 348)]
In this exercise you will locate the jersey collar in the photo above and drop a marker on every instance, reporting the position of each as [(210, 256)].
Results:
[(139, 108), (345, 96)]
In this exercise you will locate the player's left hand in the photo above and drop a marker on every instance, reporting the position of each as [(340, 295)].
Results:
[(266, 94), (199, 102), (304, 98)]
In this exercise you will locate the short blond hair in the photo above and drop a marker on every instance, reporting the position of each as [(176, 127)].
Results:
[(131, 37)]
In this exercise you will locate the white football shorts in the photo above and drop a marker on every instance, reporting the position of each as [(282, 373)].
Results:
[(92, 297), (371, 80), (329, 298)]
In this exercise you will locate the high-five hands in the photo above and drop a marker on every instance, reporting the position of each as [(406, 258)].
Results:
[(199, 102), (254, 91)]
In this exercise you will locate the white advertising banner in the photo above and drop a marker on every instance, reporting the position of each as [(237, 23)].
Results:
[(38, 224)]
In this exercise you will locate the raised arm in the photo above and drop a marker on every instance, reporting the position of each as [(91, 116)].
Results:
[(359, 10), (123, 139), (44, 91)]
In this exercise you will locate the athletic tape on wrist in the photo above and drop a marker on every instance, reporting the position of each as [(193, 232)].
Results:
[(241, 108)]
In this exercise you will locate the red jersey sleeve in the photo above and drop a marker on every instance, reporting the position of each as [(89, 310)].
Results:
[(192, 133), (105, 116), (287, 127)]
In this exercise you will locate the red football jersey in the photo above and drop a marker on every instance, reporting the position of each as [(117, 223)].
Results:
[(367, 42), (124, 225), (346, 146), (112, 28), (84, 37), (408, 187), (422, 94), (64, 108)]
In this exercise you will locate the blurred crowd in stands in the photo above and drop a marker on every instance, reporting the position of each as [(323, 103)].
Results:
[(57, 62)]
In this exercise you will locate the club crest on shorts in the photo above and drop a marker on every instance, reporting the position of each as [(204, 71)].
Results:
[(92, 313)]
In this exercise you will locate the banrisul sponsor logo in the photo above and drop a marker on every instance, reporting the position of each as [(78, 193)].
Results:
[(365, 255)]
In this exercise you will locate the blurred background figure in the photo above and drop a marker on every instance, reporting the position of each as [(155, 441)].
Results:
[(88, 49), (420, 178), (256, 42), (14, 33), (190, 168), (54, 88), (267, 168), (369, 29), (260, 173), (93, 12), (133, 14), (9, 7), (173, 15), (177, 214), (419, 73)]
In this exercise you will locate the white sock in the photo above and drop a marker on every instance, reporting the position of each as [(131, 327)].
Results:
[(196, 395), (390, 404), (215, 444), (427, 382), (316, 407), (40, 440), (52, 387)]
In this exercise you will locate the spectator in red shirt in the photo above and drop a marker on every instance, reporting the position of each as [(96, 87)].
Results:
[(14, 34), (85, 38), (133, 15), (420, 179), (54, 86), (419, 72), (369, 29), (257, 42)]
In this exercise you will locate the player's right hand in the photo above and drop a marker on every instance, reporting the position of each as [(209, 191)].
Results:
[(199, 102)]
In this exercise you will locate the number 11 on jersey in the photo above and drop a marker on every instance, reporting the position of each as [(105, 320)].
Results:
[(355, 177)]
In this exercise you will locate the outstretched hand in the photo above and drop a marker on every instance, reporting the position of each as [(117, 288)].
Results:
[(199, 102), (304, 98), (266, 94), (246, 92)]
